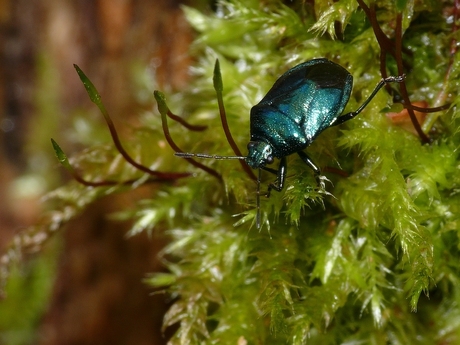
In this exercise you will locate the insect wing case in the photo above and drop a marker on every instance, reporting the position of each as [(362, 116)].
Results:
[(302, 103)]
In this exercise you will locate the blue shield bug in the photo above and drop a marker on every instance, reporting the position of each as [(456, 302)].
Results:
[(302, 103)]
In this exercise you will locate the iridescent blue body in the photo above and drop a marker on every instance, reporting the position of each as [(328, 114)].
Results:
[(302, 103)]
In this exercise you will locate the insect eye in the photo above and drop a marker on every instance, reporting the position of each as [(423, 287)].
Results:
[(270, 159), (251, 144)]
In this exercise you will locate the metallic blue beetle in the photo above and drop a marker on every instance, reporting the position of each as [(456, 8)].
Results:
[(302, 103)]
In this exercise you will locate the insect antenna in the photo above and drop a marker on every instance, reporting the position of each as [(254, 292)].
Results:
[(204, 155)]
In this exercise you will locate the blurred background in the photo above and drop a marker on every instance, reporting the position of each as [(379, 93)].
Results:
[(85, 287)]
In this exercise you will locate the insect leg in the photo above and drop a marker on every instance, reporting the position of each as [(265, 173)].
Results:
[(280, 176), (349, 116), (312, 165)]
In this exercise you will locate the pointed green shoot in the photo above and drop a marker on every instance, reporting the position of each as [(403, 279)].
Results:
[(90, 88), (61, 156), (161, 102), (217, 78), (95, 97)]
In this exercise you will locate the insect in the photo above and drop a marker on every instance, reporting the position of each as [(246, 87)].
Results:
[(302, 103)]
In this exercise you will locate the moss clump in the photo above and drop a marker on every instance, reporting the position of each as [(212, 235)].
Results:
[(349, 266)]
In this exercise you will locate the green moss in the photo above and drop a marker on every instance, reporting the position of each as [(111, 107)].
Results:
[(346, 265)]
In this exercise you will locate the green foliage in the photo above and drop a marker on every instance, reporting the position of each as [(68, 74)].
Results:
[(348, 263)]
